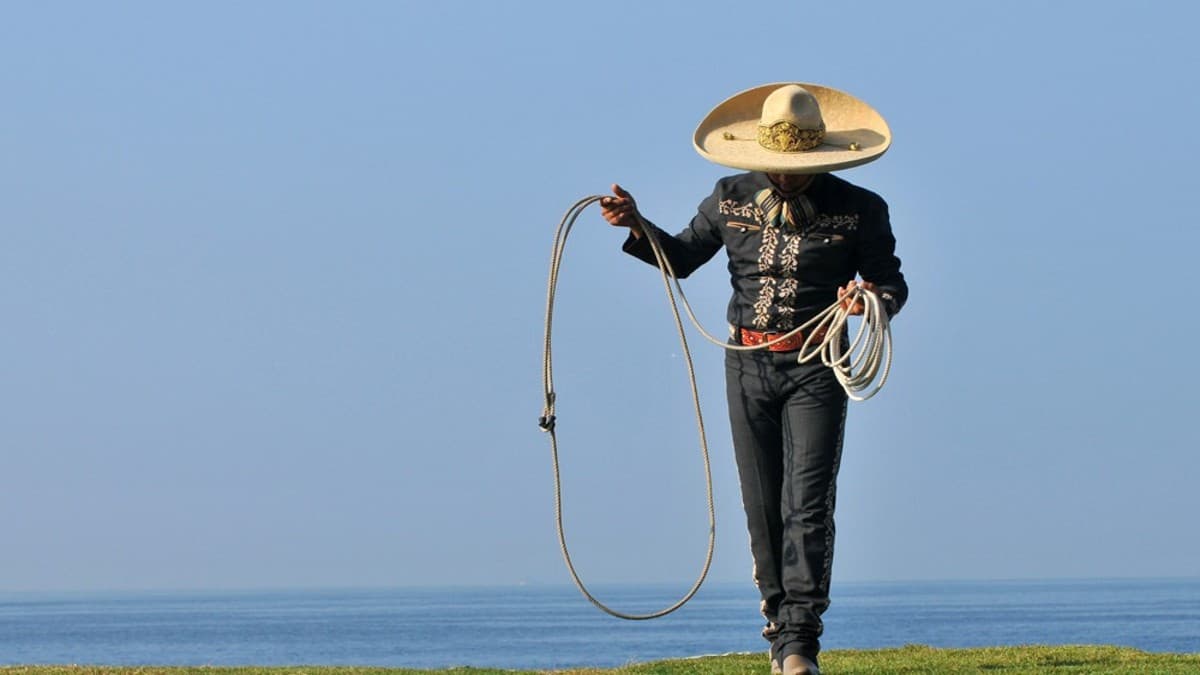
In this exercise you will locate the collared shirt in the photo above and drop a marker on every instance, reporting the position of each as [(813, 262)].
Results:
[(783, 275)]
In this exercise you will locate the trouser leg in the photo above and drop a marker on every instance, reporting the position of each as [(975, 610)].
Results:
[(814, 421), (787, 422), (756, 420)]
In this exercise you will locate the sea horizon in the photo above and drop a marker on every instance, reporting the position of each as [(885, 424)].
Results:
[(549, 626), (288, 588)]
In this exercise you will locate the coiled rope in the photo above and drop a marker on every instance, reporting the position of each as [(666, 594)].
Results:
[(869, 356)]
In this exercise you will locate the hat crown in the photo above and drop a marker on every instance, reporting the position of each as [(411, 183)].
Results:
[(793, 104), (791, 120)]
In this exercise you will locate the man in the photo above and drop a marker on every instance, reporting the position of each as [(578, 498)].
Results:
[(796, 237)]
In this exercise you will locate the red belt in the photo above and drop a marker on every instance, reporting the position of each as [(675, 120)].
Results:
[(751, 338)]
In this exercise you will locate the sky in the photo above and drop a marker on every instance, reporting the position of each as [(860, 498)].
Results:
[(272, 279)]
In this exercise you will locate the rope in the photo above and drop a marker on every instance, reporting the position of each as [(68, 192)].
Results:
[(868, 356)]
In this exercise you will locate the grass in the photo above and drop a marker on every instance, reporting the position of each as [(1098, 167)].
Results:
[(912, 659)]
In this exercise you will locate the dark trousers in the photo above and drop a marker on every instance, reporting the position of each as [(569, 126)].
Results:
[(787, 421)]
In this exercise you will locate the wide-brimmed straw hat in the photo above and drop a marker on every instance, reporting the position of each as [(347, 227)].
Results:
[(792, 127)]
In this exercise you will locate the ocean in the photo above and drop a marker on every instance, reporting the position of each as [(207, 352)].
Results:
[(555, 627)]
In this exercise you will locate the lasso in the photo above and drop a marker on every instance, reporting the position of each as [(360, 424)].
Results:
[(863, 367)]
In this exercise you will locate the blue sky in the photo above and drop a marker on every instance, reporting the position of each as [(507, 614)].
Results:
[(272, 277)]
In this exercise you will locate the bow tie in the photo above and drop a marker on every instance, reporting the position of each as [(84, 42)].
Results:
[(792, 213)]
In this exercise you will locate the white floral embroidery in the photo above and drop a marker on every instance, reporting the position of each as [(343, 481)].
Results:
[(762, 306), (848, 223), (779, 260), (766, 261), (760, 216), (790, 256), (787, 317), (729, 207), (766, 251), (790, 260)]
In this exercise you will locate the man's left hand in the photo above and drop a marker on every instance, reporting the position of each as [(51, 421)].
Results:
[(857, 307)]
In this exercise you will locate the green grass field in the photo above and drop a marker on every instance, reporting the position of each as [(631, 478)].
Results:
[(912, 659)]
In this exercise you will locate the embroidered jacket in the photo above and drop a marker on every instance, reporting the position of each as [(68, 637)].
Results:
[(783, 274)]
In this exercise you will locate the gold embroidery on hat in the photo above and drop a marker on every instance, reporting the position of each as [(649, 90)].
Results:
[(787, 137)]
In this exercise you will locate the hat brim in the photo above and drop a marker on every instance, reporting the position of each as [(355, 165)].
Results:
[(728, 135)]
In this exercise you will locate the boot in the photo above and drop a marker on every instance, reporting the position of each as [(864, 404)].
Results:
[(798, 665)]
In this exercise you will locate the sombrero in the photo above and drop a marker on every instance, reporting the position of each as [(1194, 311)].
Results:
[(792, 127)]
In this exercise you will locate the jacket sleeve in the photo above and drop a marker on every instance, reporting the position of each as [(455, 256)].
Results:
[(877, 261), (689, 249)]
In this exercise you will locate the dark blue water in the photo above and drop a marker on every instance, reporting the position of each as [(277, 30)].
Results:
[(541, 627)]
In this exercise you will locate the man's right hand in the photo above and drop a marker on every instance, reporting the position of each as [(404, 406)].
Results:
[(621, 210)]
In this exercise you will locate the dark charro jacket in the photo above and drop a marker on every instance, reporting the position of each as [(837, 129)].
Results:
[(783, 276)]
